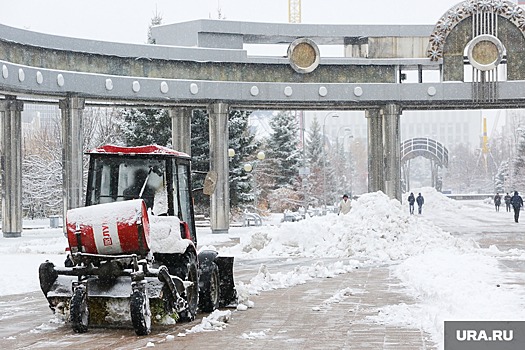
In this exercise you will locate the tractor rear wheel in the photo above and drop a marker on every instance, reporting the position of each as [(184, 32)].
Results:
[(140, 312), (79, 311), (209, 291)]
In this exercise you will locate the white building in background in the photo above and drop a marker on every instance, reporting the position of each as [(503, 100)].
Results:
[(36, 117), (449, 127)]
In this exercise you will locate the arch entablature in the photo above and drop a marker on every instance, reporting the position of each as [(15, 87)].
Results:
[(466, 9)]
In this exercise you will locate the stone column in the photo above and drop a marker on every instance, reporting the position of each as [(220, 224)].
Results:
[(219, 136), (392, 150), (11, 165), (181, 129), (72, 152), (375, 150)]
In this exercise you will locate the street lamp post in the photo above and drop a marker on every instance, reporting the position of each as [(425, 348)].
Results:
[(345, 153), (324, 154), (344, 128), (248, 167)]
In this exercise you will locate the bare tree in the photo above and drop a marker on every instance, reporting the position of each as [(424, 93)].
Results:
[(42, 172)]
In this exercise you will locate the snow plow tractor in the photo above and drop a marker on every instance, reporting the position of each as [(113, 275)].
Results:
[(132, 249)]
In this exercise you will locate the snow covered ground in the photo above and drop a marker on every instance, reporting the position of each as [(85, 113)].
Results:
[(451, 277)]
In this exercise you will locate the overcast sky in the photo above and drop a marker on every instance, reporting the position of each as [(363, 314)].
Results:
[(128, 20)]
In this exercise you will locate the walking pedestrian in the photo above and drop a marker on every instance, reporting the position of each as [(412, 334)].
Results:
[(420, 200), (517, 203), (507, 201), (345, 205), (411, 200), (497, 201)]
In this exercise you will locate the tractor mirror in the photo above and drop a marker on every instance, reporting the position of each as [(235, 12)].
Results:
[(210, 182)]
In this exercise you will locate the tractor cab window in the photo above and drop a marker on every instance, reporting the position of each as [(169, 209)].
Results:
[(183, 202), (117, 179)]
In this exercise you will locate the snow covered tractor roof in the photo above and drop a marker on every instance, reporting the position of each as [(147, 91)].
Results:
[(138, 150)]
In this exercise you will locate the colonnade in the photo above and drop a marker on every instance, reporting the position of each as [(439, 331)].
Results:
[(384, 172)]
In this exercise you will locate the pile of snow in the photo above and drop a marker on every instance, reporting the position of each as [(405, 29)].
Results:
[(451, 285), (435, 201), (377, 229), (35, 241), (26, 253), (450, 278), (215, 321), (265, 280)]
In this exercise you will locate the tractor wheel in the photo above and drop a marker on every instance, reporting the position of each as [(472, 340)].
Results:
[(192, 293), (140, 312), (79, 311), (209, 290)]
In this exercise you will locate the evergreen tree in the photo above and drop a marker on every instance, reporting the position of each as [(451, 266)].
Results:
[(501, 176), (244, 144), (155, 21), (314, 155), (332, 165), (344, 170), (283, 150), (241, 140), (146, 126), (314, 145), (200, 157), (519, 159)]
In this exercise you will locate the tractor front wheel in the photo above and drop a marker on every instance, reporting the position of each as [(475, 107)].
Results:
[(79, 311), (192, 292), (209, 289), (140, 312)]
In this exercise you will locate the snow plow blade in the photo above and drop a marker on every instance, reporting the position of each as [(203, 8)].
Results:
[(227, 292), (228, 295)]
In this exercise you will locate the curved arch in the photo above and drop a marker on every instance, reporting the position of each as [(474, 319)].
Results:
[(424, 147), (465, 9), (427, 148)]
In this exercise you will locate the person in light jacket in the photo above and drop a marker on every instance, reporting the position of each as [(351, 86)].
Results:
[(345, 205)]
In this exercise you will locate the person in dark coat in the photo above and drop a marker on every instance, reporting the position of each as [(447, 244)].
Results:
[(140, 188), (497, 201), (420, 200), (517, 202), (507, 201), (411, 201)]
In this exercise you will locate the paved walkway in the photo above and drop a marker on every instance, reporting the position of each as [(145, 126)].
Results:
[(303, 317)]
